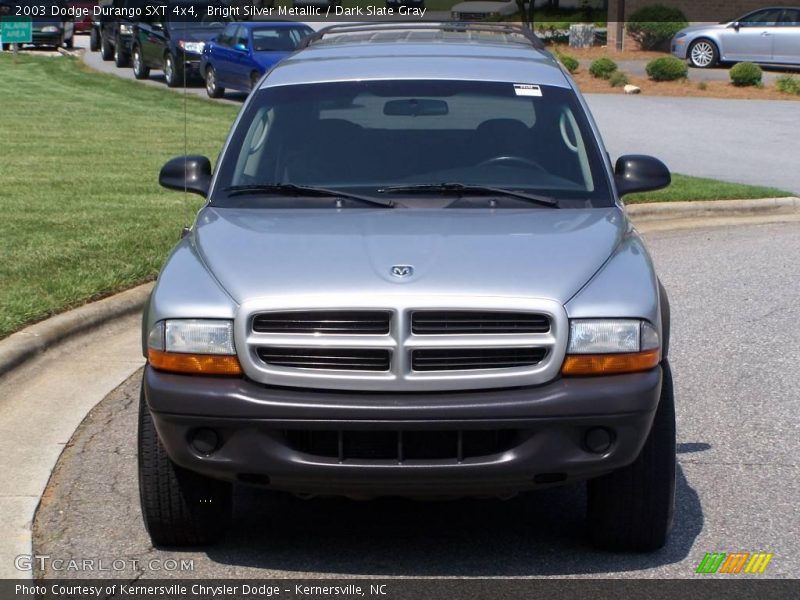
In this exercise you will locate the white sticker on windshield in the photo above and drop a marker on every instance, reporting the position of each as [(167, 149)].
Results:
[(524, 89)]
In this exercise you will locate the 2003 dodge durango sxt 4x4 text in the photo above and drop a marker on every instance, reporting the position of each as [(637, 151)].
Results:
[(413, 276)]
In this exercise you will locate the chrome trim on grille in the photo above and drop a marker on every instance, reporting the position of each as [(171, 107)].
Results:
[(399, 343)]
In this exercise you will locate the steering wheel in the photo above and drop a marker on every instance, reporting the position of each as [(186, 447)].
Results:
[(519, 160)]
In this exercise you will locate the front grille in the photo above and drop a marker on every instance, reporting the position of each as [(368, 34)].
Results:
[(401, 446), (458, 359), (340, 359), (463, 322), (324, 321)]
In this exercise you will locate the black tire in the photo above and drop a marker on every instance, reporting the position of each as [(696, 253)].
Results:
[(631, 509), (212, 88), (106, 49), (121, 58), (140, 70), (703, 54), (173, 71), (179, 507), (94, 40)]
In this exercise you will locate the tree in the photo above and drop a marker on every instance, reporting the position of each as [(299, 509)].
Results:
[(526, 11)]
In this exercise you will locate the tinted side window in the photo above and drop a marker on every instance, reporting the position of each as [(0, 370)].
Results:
[(790, 18), (761, 18)]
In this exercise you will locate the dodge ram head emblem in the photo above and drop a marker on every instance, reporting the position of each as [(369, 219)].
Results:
[(402, 270)]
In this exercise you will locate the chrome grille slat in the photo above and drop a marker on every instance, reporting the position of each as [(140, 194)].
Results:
[(450, 359), (321, 322), (477, 322), (355, 359)]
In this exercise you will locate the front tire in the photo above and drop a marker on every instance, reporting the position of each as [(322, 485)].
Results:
[(94, 40), (121, 58), (106, 49), (179, 507), (173, 71), (631, 509), (703, 54), (140, 71), (213, 89)]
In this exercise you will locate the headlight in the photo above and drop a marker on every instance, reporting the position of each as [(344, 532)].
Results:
[(196, 346), (126, 29), (611, 346), (50, 29), (196, 47)]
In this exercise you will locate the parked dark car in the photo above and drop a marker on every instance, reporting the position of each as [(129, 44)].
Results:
[(175, 44), (243, 52), (116, 31), (47, 30)]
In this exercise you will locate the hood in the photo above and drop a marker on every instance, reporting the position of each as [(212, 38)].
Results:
[(268, 58), (195, 35), (708, 27), (534, 253)]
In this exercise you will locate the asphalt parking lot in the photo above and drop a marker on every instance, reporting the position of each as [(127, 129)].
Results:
[(735, 356)]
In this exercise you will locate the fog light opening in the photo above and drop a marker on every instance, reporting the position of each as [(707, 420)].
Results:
[(205, 441), (598, 440)]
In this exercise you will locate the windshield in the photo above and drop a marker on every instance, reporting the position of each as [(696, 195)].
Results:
[(368, 136)]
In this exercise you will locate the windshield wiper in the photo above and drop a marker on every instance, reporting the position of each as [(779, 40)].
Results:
[(290, 189), (463, 188)]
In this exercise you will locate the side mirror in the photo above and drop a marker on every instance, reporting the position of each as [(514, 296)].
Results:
[(736, 25), (241, 47), (639, 173), (187, 173)]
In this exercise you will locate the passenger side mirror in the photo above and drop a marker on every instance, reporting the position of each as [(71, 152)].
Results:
[(639, 173), (736, 25), (187, 173), (241, 47)]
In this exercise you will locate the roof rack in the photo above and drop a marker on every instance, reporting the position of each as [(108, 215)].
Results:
[(445, 26)]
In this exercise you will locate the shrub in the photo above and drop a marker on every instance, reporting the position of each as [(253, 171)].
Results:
[(788, 85), (745, 74), (602, 68), (702, 86), (618, 79), (667, 68), (654, 26), (569, 62)]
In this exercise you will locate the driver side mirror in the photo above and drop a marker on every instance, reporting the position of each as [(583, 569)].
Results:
[(736, 25), (638, 173), (187, 173), (241, 47)]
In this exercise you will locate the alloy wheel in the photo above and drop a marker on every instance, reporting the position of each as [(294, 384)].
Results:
[(702, 54)]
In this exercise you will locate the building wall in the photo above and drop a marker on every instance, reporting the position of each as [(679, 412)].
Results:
[(697, 11)]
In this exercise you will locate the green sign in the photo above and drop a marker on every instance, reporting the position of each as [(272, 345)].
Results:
[(16, 30)]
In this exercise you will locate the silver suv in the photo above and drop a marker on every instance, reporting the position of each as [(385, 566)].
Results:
[(413, 276)]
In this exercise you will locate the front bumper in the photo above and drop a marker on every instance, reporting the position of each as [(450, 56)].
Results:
[(256, 428), (679, 48)]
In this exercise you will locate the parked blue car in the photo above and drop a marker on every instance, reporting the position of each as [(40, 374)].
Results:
[(243, 52)]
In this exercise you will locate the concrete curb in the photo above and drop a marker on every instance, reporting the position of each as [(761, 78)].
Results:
[(23, 345), (658, 211)]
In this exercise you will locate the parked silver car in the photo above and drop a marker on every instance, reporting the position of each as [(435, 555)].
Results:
[(413, 276), (767, 35)]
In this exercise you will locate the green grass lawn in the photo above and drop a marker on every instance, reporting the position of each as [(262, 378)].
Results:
[(83, 214), (698, 188)]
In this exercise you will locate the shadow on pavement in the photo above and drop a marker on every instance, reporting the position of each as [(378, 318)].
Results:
[(534, 534)]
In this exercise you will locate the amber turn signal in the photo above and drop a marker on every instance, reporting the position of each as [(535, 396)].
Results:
[(584, 365), (194, 364)]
